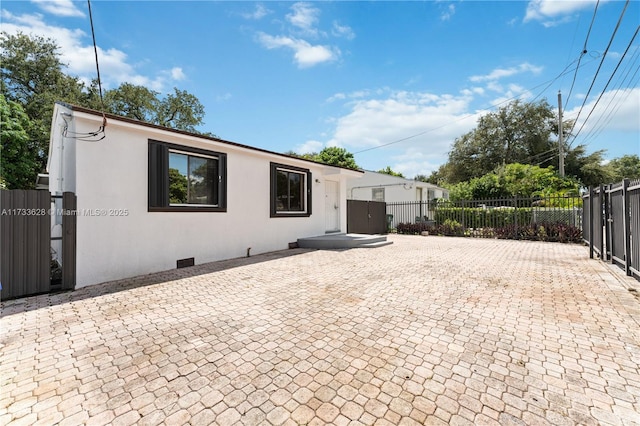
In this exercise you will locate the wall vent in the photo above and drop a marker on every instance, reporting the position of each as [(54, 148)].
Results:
[(185, 263)]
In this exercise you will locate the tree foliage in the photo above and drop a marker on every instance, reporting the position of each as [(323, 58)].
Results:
[(625, 167), (387, 171), (132, 101), (524, 133), (516, 133), (177, 187), (332, 155), (587, 168), (178, 110), (34, 77), (337, 156), (515, 180), (18, 169)]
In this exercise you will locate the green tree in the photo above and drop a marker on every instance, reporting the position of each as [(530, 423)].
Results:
[(180, 110), (33, 76), (515, 180), (517, 133), (18, 169), (313, 156), (387, 171), (587, 168), (336, 156), (331, 155), (177, 187), (625, 167), (132, 101)]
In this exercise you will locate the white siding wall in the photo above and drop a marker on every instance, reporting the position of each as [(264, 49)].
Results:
[(112, 174), (395, 189)]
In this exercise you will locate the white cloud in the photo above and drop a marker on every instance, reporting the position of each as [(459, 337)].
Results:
[(77, 52), (553, 12), (258, 13), (344, 31), (66, 8), (304, 17), (177, 74), (309, 147), (427, 123), (305, 54), (617, 110), (413, 131), (448, 13), (499, 73), (223, 97)]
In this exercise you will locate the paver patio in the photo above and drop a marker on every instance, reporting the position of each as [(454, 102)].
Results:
[(429, 330)]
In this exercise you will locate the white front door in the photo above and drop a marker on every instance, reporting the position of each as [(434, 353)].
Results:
[(332, 205)]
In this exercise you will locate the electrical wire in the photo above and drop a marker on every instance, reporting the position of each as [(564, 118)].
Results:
[(606, 85), (584, 52), (548, 83), (620, 95), (604, 55), (99, 134)]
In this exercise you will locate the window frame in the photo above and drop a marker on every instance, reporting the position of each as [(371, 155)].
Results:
[(158, 178), (307, 200)]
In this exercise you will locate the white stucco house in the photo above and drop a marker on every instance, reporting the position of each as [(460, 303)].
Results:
[(150, 197), (374, 186), (407, 200)]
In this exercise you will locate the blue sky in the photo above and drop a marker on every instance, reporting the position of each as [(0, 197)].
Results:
[(393, 82)]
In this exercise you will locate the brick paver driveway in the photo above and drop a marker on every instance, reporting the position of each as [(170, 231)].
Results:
[(429, 330)]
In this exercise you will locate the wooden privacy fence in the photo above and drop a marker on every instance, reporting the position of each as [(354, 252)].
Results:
[(28, 265), (612, 224)]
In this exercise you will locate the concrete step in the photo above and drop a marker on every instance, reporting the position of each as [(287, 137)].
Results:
[(374, 245), (341, 241)]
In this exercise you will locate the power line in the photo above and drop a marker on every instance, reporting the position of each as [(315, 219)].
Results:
[(584, 52), (95, 51), (619, 95), (608, 82), (549, 83), (600, 65)]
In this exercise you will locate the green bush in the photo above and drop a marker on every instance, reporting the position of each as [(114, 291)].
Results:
[(476, 217), (554, 232)]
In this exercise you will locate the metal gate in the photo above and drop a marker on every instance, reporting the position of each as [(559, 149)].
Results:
[(366, 217), (26, 262), (612, 225)]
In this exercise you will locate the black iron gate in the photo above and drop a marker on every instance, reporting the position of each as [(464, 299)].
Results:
[(613, 226), (26, 262), (366, 217)]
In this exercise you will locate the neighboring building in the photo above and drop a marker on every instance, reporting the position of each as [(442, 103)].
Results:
[(374, 186), (149, 196), (407, 200)]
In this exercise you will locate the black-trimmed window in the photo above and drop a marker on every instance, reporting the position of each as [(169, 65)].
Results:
[(186, 179), (290, 191)]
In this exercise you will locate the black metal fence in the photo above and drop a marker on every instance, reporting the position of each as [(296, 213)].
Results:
[(612, 224), (520, 218)]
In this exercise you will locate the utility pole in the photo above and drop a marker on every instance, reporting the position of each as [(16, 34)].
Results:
[(560, 137)]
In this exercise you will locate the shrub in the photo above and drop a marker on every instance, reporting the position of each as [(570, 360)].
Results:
[(555, 232), (413, 228), (451, 228)]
